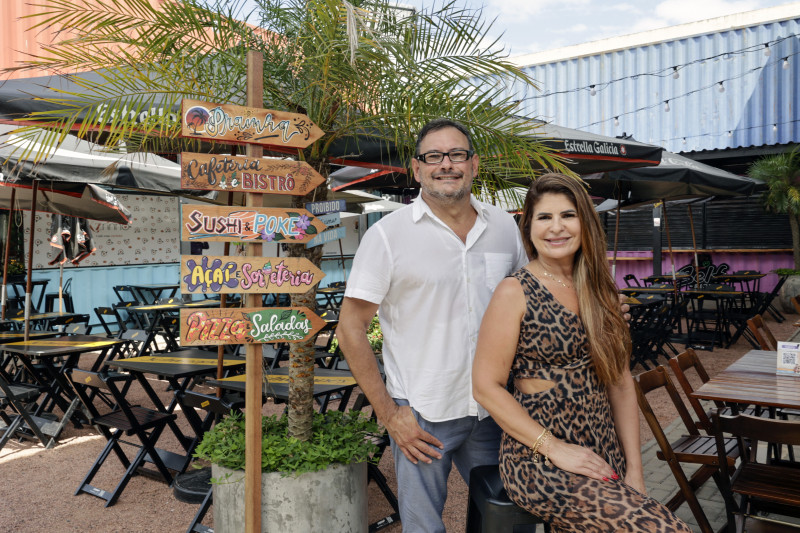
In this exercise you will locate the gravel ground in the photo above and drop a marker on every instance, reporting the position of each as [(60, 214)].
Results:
[(37, 486)]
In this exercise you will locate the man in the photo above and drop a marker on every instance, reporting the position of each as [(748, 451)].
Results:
[(430, 268)]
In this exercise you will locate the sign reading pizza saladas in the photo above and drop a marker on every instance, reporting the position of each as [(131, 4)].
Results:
[(214, 172), (248, 325), (239, 124)]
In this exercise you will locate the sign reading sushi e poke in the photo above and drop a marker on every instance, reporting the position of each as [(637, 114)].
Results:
[(250, 224), (248, 325), (214, 172), (202, 274), (239, 124)]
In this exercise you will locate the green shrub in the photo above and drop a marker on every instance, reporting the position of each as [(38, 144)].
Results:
[(374, 335), (338, 438), (787, 272)]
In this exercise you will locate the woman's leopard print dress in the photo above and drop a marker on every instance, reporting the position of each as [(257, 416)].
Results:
[(553, 346)]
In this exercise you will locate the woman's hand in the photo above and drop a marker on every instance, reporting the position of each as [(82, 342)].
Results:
[(579, 460)]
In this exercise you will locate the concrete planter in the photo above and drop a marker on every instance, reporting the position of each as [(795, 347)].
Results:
[(334, 499), (789, 289)]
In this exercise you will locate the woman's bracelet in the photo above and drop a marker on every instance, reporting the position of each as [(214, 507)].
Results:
[(539, 444)]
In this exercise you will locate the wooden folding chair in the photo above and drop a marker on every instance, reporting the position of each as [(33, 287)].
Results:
[(110, 320), (15, 397), (795, 303), (693, 448), (123, 420), (374, 473), (216, 408), (762, 333), (764, 488)]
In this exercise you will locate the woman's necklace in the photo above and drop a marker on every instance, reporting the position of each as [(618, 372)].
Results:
[(554, 278)]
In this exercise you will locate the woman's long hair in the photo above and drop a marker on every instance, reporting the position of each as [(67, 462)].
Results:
[(598, 300)]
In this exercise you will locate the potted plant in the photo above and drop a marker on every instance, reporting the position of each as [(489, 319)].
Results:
[(781, 173), (336, 456)]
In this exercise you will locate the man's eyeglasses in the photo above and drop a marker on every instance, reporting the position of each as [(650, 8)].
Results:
[(456, 156)]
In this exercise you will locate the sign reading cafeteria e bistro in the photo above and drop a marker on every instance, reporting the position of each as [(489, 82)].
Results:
[(213, 172), (239, 124), (203, 274), (235, 224), (248, 325)]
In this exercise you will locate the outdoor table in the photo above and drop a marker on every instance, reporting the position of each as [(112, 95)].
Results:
[(41, 321), (748, 281), (657, 279), (149, 294), (153, 315), (179, 368), (752, 380), (333, 296), (50, 375), (730, 310), (327, 382)]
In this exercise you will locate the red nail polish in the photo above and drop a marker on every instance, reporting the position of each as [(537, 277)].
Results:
[(615, 477), (605, 479)]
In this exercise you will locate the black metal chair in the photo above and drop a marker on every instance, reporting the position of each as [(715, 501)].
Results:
[(110, 320), (20, 422)]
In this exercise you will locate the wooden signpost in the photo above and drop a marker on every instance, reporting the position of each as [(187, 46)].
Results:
[(204, 274), (330, 235), (235, 224), (211, 172), (238, 325), (253, 224), (327, 206), (239, 124)]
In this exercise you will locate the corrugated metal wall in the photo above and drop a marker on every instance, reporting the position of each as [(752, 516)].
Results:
[(758, 107)]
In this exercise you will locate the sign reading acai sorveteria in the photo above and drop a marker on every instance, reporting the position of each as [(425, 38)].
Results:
[(202, 274), (233, 224), (248, 325), (239, 124), (214, 172)]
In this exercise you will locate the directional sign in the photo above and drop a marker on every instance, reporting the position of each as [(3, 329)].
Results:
[(238, 325), (211, 172), (239, 124), (327, 206), (327, 236), (235, 224), (204, 274), (331, 219)]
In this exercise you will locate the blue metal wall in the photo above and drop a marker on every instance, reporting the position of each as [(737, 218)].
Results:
[(758, 107)]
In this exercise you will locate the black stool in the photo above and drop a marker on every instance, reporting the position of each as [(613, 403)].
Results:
[(490, 510)]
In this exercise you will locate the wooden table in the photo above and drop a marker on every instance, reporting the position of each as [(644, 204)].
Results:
[(276, 385), (149, 294), (179, 368), (752, 380), (51, 376)]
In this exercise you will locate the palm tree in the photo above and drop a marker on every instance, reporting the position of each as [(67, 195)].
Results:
[(364, 71), (781, 173)]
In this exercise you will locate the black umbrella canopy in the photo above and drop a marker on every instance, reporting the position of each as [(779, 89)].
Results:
[(676, 177)]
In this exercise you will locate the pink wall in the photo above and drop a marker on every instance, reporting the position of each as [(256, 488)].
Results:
[(640, 264)]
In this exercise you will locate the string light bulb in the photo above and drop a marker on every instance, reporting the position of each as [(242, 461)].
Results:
[(675, 73), (785, 63), (730, 133), (721, 87), (684, 140), (616, 121), (666, 106), (592, 90), (767, 51), (774, 128)]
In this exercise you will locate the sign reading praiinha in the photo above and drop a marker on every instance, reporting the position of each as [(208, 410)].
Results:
[(239, 124), (214, 172), (248, 325), (235, 224), (203, 274)]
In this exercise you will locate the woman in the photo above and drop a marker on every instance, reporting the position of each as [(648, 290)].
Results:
[(570, 451)]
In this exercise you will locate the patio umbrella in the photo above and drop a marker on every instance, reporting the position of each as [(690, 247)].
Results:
[(675, 177), (584, 153), (83, 200)]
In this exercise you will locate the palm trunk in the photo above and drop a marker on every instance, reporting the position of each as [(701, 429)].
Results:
[(794, 222), (301, 354)]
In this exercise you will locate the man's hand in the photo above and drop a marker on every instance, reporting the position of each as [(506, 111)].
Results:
[(414, 442), (625, 308)]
